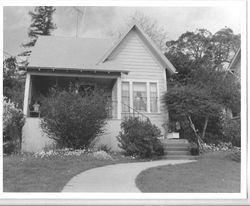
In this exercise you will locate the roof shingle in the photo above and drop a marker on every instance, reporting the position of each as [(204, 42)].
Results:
[(68, 52)]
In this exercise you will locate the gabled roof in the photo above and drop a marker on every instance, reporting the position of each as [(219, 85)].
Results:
[(235, 59), (154, 49), (69, 53), (86, 53)]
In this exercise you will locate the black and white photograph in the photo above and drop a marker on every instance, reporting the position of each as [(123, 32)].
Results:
[(124, 101)]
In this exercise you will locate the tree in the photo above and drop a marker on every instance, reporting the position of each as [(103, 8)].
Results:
[(190, 101), (13, 121), (149, 25), (219, 87), (41, 25), (13, 81), (201, 49), (200, 58), (224, 45)]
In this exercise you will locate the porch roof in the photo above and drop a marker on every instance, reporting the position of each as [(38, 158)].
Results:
[(72, 54)]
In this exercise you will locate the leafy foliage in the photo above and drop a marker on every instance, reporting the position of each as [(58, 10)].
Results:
[(190, 100), (13, 82), (13, 121), (194, 149), (139, 138), (201, 49), (72, 119), (232, 131), (188, 103), (224, 45), (201, 58)]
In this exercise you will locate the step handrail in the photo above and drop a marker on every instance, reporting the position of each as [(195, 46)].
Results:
[(136, 111)]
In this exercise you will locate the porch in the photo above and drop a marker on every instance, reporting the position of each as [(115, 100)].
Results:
[(38, 86)]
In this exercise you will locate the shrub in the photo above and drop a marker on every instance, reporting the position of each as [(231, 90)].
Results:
[(232, 131), (72, 119), (236, 155), (194, 149), (104, 147), (140, 138), (101, 155), (13, 121)]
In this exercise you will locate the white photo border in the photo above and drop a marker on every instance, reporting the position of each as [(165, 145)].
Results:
[(241, 198)]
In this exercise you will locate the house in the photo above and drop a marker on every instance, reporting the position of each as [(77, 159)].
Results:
[(235, 64), (132, 69), (234, 69)]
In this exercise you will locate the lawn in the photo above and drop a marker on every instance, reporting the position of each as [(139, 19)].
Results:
[(214, 172), (48, 174)]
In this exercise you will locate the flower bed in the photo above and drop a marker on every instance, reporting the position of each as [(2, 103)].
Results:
[(100, 154), (235, 152), (222, 146)]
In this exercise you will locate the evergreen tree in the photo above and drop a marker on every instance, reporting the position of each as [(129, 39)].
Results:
[(41, 25)]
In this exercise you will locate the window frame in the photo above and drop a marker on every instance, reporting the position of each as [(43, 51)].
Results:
[(131, 81), (129, 96)]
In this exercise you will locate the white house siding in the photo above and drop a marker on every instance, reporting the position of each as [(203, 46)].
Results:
[(135, 56), (33, 138), (112, 129)]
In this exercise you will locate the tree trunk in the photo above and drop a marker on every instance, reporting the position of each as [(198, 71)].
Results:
[(199, 140), (204, 128)]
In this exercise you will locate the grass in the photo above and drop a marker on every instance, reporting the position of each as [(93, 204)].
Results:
[(213, 173), (48, 174)]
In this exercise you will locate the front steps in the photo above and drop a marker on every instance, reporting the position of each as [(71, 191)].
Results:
[(177, 149)]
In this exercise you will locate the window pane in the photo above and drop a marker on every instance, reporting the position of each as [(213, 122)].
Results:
[(125, 96), (153, 97), (140, 96)]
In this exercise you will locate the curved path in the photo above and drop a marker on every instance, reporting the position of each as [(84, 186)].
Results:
[(113, 178)]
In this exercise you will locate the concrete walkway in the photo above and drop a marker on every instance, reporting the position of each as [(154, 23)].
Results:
[(113, 178)]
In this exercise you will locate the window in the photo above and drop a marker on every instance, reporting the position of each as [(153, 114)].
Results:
[(153, 97), (125, 96), (140, 96), (85, 89)]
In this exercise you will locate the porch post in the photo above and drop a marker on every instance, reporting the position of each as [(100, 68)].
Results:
[(119, 99), (27, 94)]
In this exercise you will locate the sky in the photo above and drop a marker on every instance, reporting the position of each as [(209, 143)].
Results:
[(98, 20)]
